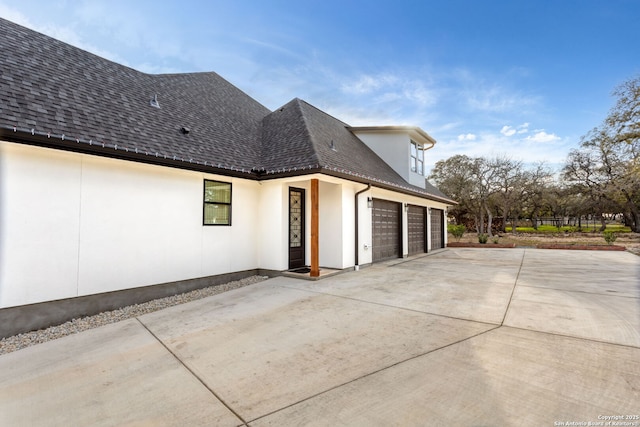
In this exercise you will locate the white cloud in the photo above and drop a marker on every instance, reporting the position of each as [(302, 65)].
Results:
[(523, 128), (510, 131), (506, 142), (447, 126), (273, 47), (488, 96), (14, 16), (467, 137), (367, 84), (497, 99), (390, 88), (66, 34), (507, 130), (415, 90), (357, 116), (542, 137)]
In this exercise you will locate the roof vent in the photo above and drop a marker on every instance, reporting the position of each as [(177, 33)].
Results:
[(154, 101), (333, 146), (185, 130)]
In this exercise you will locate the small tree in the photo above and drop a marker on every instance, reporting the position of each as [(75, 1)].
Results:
[(457, 231)]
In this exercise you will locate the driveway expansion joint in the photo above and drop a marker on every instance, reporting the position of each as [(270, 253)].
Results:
[(578, 291), (400, 362), (513, 291), (575, 337), (192, 372), (412, 310)]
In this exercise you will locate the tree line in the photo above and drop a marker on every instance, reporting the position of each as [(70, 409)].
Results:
[(599, 179)]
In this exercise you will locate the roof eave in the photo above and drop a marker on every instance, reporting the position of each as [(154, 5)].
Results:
[(60, 142), (386, 185)]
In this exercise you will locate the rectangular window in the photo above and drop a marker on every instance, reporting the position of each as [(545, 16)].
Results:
[(217, 203), (417, 158)]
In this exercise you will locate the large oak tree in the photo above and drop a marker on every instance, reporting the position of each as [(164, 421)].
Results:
[(606, 166)]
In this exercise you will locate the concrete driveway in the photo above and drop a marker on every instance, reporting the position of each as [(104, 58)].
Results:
[(484, 337)]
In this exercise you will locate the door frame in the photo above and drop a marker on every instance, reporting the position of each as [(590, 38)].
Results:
[(299, 260)]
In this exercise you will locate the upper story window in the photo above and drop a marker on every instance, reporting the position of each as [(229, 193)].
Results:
[(417, 158), (217, 203)]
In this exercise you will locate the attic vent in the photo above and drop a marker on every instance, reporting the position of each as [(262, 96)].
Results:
[(333, 146), (154, 101), (185, 130)]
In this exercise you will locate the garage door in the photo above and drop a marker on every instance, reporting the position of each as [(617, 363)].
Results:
[(437, 228), (386, 230), (416, 220)]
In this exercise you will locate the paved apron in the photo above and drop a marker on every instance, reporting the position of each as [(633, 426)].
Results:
[(459, 337)]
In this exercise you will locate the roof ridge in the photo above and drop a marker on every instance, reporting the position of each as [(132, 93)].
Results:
[(364, 146), (322, 111), (308, 128), (286, 124)]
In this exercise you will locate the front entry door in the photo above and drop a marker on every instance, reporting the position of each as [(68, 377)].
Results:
[(296, 228)]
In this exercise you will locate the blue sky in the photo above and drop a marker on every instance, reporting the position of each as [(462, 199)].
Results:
[(521, 78)]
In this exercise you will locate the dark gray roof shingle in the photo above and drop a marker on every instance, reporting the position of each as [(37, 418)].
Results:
[(286, 140), (49, 86)]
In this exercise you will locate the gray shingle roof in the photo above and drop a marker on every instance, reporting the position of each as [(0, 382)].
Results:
[(299, 135), (52, 87), (49, 88)]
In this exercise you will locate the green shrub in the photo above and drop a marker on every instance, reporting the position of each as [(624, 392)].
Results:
[(456, 230), (610, 236), (496, 239), (482, 238)]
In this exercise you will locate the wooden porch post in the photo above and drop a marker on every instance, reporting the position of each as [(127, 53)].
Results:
[(315, 228)]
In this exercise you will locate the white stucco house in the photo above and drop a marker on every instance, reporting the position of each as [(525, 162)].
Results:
[(118, 186)]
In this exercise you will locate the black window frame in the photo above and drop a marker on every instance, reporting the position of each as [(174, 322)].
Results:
[(219, 203)]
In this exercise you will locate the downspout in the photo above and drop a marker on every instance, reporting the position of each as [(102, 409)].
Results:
[(357, 246)]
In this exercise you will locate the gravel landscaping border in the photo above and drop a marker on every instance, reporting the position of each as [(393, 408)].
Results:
[(27, 339)]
